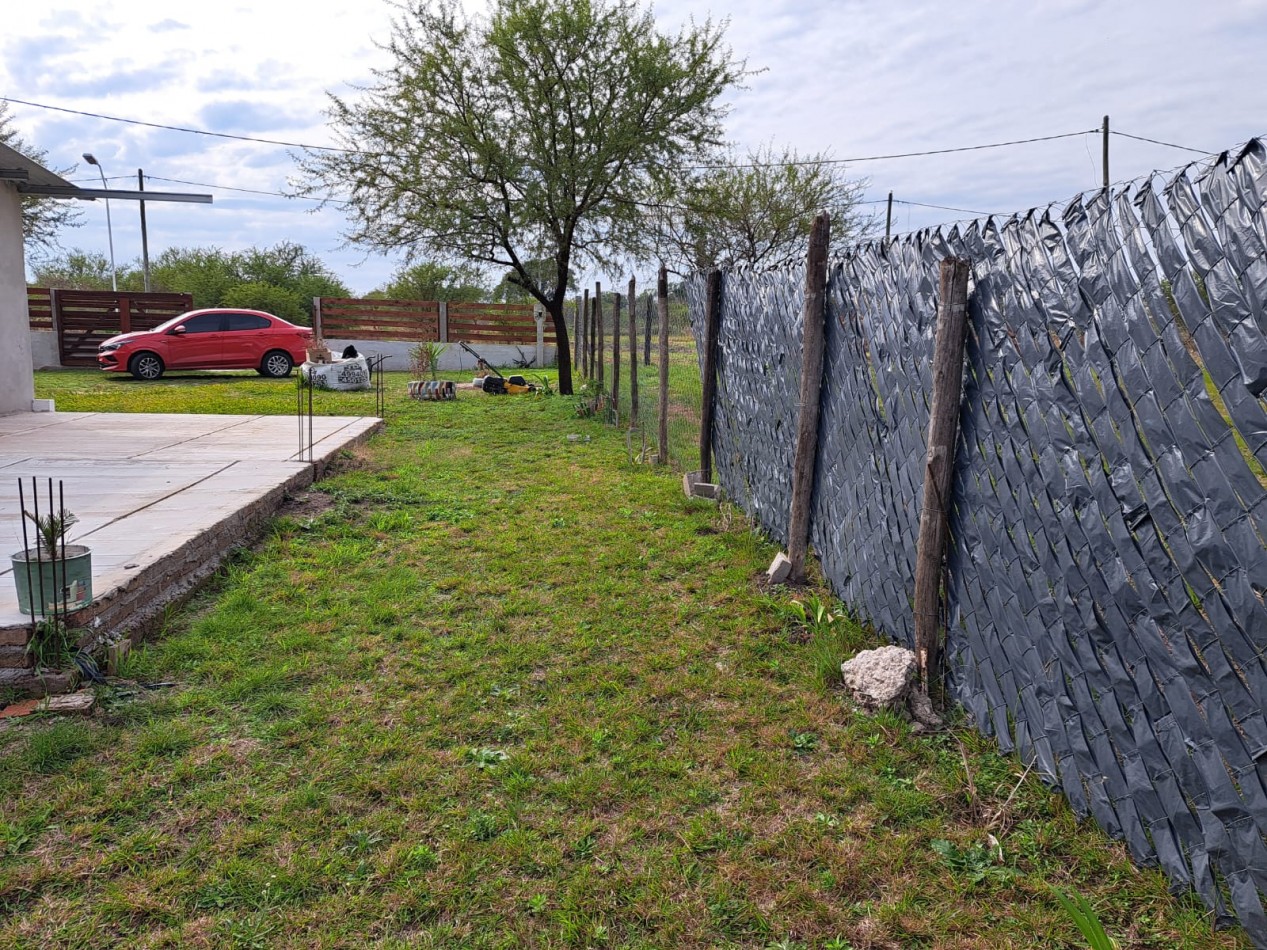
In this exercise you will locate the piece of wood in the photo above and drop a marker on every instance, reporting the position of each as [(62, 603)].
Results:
[(646, 358), (616, 360), (585, 332), (806, 456), (578, 336), (662, 301), (712, 326), (598, 324), (943, 433), (633, 353)]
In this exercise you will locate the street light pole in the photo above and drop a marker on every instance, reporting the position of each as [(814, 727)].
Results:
[(145, 241), (114, 275)]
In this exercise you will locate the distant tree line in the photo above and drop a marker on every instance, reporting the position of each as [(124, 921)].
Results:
[(281, 279)]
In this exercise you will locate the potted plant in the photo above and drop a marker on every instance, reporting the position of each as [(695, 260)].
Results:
[(53, 577)]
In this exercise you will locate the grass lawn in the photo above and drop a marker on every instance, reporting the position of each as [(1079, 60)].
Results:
[(511, 690)]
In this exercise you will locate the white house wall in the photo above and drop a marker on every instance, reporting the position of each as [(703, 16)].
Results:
[(17, 385)]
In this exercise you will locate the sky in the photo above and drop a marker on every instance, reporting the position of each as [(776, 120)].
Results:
[(854, 79)]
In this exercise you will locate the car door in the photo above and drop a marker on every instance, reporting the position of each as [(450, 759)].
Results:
[(246, 338), (196, 343)]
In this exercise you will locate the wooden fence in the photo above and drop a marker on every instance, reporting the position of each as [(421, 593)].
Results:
[(425, 320), (84, 319), (39, 307)]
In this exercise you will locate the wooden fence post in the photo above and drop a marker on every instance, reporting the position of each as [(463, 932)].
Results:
[(586, 333), (442, 323), (943, 433), (55, 316), (633, 353), (598, 323), (646, 353), (576, 342), (811, 386), (589, 340), (125, 313), (712, 326), (616, 360), (662, 301), (316, 317)]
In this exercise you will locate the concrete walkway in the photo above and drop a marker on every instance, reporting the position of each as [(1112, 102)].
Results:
[(149, 487)]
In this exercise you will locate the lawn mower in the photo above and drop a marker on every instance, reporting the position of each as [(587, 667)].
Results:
[(494, 383)]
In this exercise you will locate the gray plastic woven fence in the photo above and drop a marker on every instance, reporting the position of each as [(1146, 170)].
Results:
[(1108, 561)]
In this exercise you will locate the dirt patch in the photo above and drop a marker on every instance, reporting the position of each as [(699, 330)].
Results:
[(308, 504)]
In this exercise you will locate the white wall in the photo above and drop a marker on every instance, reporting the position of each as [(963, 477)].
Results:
[(501, 355), (17, 384), (44, 351)]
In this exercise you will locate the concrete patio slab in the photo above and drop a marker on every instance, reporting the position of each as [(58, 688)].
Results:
[(161, 499)]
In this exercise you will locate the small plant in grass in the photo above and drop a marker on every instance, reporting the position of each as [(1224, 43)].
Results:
[(976, 863), (803, 742), (53, 646), (424, 358), (813, 614), (484, 758), (1088, 923), (544, 387), (592, 400)]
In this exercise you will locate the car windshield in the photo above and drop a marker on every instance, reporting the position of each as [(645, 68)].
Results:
[(163, 327)]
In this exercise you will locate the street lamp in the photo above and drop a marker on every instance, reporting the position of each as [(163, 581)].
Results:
[(114, 277)]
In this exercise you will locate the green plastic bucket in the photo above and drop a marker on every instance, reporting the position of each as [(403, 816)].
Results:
[(69, 580)]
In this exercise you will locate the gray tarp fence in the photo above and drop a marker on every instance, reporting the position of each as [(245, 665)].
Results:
[(1108, 559)]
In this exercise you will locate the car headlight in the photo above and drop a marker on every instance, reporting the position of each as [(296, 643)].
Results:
[(108, 347)]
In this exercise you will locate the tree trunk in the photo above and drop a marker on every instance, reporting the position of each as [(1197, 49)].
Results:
[(561, 341)]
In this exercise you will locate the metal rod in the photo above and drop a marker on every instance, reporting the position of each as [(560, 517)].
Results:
[(26, 548), (35, 499)]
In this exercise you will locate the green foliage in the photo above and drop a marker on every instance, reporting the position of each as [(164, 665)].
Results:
[(285, 276), (524, 134), (52, 646), (753, 209), (975, 864), (50, 529), (270, 298), (424, 358), (83, 270), (429, 280), (1085, 918), (42, 218)]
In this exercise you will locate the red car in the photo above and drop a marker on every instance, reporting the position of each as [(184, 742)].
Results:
[(209, 339)]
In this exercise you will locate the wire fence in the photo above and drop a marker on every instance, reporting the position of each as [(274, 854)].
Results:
[(631, 369)]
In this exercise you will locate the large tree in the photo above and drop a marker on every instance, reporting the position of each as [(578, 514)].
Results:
[(754, 209), (42, 218), (530, 132)]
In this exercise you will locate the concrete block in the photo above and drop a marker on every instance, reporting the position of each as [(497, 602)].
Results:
[(780, 569), (42, 405)]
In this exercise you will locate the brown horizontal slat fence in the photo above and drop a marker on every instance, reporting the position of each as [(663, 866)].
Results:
[(86, 318), (420, 320), (496, 323), (39, 308), (409, 320)]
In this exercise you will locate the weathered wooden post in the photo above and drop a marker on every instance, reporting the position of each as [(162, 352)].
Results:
[(589, 336), (646, 355), (712, 325), (616, 360), (598, 322), (811, 385), (576, 332), (633, 352), (316, 318), (943, 433), (662, 301)]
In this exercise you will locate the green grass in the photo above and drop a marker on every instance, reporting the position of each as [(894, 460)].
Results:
[(511, 690)]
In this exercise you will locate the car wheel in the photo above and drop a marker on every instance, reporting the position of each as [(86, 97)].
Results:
[(146, 366), (277, 364)]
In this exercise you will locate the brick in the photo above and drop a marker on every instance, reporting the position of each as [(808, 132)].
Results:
[(72, 704), (780, 569), (24, 708)]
